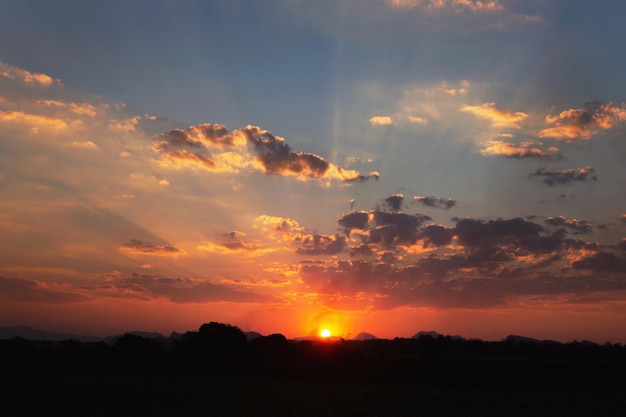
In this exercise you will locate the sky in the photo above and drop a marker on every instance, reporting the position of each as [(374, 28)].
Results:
[(380, 166)]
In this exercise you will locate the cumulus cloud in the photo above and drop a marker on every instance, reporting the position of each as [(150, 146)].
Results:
[(474, 264), (381, 121), (520, 151), (137, 247), (573, 225), (437, 202), (213, 147), (583, 123), (566, 176), (498, 117)]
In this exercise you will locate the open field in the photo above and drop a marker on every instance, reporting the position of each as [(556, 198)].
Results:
[(76, 393)]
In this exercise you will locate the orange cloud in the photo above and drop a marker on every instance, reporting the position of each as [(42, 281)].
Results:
[(583, 123), (418, 120), (518, 151), (497, 117), (137, 247), (81, 109), (32, 120), (26, 77), (381, 121), (247, 148)]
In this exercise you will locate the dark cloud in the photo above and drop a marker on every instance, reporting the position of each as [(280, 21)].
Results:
[(395, 227), (573, 225), (277, 157), (476, 233), (475, 264), (195, 137), (354, 220), (175, 140), (602, 262), (436, 235), (194, 158), (138, 247), (13, 289), (437, 202), (566, 176), (321, 245), (394, 202)]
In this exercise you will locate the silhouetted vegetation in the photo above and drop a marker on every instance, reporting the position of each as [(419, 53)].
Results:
[(219, 350)]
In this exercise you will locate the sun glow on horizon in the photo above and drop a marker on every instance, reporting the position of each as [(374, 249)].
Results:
[(325, 333)]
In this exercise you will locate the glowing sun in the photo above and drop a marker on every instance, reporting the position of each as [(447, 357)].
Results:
[(325, 333)]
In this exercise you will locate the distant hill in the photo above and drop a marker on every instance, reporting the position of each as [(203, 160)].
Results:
[(29, 333), (435, 335), (364, 336), (111, 340)]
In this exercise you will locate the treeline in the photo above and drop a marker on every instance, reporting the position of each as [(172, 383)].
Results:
[(221, 349)]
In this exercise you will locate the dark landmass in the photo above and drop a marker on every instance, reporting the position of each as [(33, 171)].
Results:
[(220, 370)]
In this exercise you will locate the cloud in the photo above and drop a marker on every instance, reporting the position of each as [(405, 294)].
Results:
[(394, 202), (497, 117), (455, 5), (37, 292), (475, 264), (321, 245), (137, 247), (602, 262), (566, 176), (583, 123), (213, 147), (354, 220), (519, 151), (177, 290), (418, 120), (573, 225), (27, 77), (33, 120), (437, 202), (381, 121), (395, 228)]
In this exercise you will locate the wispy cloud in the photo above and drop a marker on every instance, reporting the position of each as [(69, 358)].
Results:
[(520, 151), (498, 117), (381, 121), (566, 176)]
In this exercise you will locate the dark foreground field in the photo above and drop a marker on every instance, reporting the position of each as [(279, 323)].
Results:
[(217, 372), (47, 393)]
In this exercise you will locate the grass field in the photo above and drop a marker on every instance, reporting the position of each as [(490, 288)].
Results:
[(85, 394)]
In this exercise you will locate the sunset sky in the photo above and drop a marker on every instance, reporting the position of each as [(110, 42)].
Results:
[(386, 166)]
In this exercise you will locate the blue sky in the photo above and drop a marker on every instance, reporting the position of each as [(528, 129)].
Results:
[(507, 113)]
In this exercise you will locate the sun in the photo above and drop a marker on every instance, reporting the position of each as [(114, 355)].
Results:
[(325, 333)]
